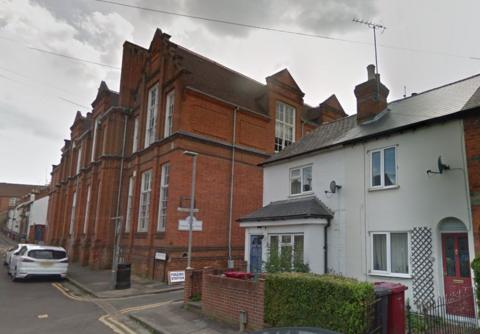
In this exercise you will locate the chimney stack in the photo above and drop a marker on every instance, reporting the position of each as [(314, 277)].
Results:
[(371, 96)]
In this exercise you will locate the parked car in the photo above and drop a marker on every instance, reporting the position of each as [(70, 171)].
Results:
[(295, 330), (10, 252), (36, 260)]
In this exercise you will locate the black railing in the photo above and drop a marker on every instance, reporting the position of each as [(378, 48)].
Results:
[(453, 314)]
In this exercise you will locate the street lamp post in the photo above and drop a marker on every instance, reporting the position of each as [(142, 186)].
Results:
[(192, 207)]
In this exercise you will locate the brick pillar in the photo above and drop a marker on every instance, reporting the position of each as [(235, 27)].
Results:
[(187, 290)]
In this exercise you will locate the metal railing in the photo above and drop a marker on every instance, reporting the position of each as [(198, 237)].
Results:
[(452, 314)]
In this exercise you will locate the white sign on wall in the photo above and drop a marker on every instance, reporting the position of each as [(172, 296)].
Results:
[(176, 276), (184, 224), (160, 256)]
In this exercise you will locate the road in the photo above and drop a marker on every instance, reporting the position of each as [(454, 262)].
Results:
[(48, 306)]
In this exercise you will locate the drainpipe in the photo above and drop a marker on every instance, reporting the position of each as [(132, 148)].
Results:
[(325, 246), (117, 219), (232, 186)]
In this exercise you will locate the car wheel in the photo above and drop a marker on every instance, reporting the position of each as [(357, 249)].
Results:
[(13, 276)]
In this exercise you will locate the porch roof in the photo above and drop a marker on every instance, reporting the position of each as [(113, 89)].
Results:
[(297, 208)]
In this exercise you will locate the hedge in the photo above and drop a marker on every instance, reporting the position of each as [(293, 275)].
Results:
[(331, 302), (476, 277)]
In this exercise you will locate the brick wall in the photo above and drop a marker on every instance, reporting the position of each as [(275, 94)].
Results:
[(472, 145), (223, 298)]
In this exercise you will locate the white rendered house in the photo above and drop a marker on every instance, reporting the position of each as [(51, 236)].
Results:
[(389, 215)]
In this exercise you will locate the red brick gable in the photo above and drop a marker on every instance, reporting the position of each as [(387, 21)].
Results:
[(284, 78)]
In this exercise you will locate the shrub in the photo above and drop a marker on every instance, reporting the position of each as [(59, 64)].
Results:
[(278, 263), (476, 277), (327, 301)]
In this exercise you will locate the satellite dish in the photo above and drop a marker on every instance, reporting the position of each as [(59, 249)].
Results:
[(441, 165), (334, 187)]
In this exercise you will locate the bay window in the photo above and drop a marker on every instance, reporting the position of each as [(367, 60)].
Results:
[(287, 250)]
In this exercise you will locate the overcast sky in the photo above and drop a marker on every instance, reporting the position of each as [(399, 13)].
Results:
[(426, 44)]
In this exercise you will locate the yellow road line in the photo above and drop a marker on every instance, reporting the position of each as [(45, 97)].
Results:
[(142, 307), (60, 288), (115, 325)]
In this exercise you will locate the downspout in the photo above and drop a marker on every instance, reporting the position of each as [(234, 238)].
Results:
[(325, 246), (232, 186), (117, 220)]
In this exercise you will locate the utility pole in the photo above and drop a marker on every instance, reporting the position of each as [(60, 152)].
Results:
[(374, 27), (192, 207)]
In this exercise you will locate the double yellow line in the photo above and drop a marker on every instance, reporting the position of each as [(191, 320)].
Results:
[(109, 319)]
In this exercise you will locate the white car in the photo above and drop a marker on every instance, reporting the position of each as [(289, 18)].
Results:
[(36, 260), (10, 252)]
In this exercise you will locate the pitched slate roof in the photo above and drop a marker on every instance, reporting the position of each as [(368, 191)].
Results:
[(416, 109), (298, 208), (215, 79), (17, 190)]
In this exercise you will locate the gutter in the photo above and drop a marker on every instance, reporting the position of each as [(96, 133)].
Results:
[(117, 219), (325, 246), (232, 188)]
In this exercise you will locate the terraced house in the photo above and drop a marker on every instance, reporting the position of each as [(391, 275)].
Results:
[(125, 160)]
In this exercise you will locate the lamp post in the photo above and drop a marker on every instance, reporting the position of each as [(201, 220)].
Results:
[(192, 207)]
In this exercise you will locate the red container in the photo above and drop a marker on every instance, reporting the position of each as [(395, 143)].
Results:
[(396, 306), (238, 274)]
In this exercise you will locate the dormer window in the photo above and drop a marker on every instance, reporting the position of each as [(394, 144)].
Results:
[(284, 126)]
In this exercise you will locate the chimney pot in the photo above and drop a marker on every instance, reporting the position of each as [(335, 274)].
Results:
[(371, 71)]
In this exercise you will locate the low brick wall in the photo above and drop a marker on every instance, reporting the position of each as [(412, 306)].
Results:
[(193, 283), (224, 298)]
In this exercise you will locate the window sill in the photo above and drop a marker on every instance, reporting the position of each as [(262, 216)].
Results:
[(372, 189), (307, 193), (393, 275)]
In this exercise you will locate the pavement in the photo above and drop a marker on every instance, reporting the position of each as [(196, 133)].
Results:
[(97, 283), (175, 318)]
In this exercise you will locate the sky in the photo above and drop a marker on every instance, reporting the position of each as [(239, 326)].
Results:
[(426, 44)]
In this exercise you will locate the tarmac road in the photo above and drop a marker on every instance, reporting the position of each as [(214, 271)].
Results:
[(36, 306), (51, 307)]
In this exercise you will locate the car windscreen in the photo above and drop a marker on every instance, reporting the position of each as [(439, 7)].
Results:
[(47, 254)]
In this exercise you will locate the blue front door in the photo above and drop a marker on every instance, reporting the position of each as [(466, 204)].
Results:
[(256, 253)]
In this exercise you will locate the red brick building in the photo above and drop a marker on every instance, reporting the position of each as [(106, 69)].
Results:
[(125, 159)]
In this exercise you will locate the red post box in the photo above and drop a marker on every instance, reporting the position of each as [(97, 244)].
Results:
[(396, 306)]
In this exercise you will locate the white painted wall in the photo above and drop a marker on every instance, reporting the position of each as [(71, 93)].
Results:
[(38, 212), (312, 230), (420, 200)]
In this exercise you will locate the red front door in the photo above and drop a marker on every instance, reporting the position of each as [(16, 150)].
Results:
[(456, 274)]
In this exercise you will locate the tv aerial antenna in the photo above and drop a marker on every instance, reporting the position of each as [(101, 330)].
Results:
[(374, 26)]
